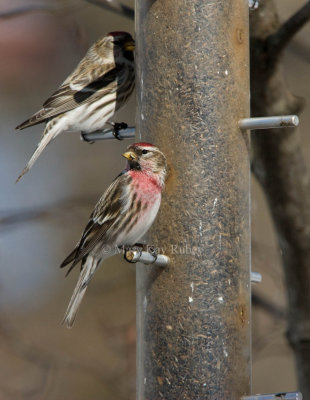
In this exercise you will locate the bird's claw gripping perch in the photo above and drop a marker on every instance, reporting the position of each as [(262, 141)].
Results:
[(118, 126), (89, 109), (83, 137)]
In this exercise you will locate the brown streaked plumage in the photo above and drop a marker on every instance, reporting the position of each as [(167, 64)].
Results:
[(99, 86), (120, 218)]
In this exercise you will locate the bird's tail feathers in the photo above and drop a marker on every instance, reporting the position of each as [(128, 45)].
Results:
[(88, 270), (49, 134)]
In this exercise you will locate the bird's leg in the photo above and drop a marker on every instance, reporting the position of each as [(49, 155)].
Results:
[(83, 137), (118, 126)]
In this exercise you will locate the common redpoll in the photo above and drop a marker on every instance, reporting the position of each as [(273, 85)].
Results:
[(121, 217), (99, 86)]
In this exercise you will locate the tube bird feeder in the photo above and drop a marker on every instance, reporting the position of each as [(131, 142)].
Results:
[(193, 316)]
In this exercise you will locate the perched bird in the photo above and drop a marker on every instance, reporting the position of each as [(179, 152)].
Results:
[(121, 217), (101, 84)]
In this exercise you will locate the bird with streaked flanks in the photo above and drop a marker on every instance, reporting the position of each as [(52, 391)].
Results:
[(121, 217), (86, 101)]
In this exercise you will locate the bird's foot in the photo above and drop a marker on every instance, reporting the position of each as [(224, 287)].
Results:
[(83, 137), (118, 126)]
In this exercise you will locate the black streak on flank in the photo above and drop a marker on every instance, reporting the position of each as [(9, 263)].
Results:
[(132, 224), (127, 221), (138, 206)]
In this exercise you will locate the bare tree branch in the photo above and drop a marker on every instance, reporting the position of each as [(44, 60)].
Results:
[(63, 208), (280, 39), (16, 12), (38, 8), (111, 5), (270, 342), (267, 306), (280, 168), (114, 6)]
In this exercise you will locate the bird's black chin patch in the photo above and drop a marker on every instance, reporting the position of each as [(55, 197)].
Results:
[(134, 165), (129, 55)]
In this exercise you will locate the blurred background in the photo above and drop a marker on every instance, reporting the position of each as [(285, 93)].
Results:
[(43, 216)]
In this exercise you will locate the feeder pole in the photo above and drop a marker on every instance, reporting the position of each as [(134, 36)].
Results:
[(193, 316)]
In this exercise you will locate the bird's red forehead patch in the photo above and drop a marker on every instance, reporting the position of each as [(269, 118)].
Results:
[(118, 33), (142, 144)]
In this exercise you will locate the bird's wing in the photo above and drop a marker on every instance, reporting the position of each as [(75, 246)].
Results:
[(106, 212), (71, 95), (86, 81)]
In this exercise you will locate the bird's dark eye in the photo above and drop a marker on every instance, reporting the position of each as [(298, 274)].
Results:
[(145, 151), (117, 42)]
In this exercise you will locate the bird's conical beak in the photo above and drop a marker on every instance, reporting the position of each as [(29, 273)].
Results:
[(129, 46), (130, 156)]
